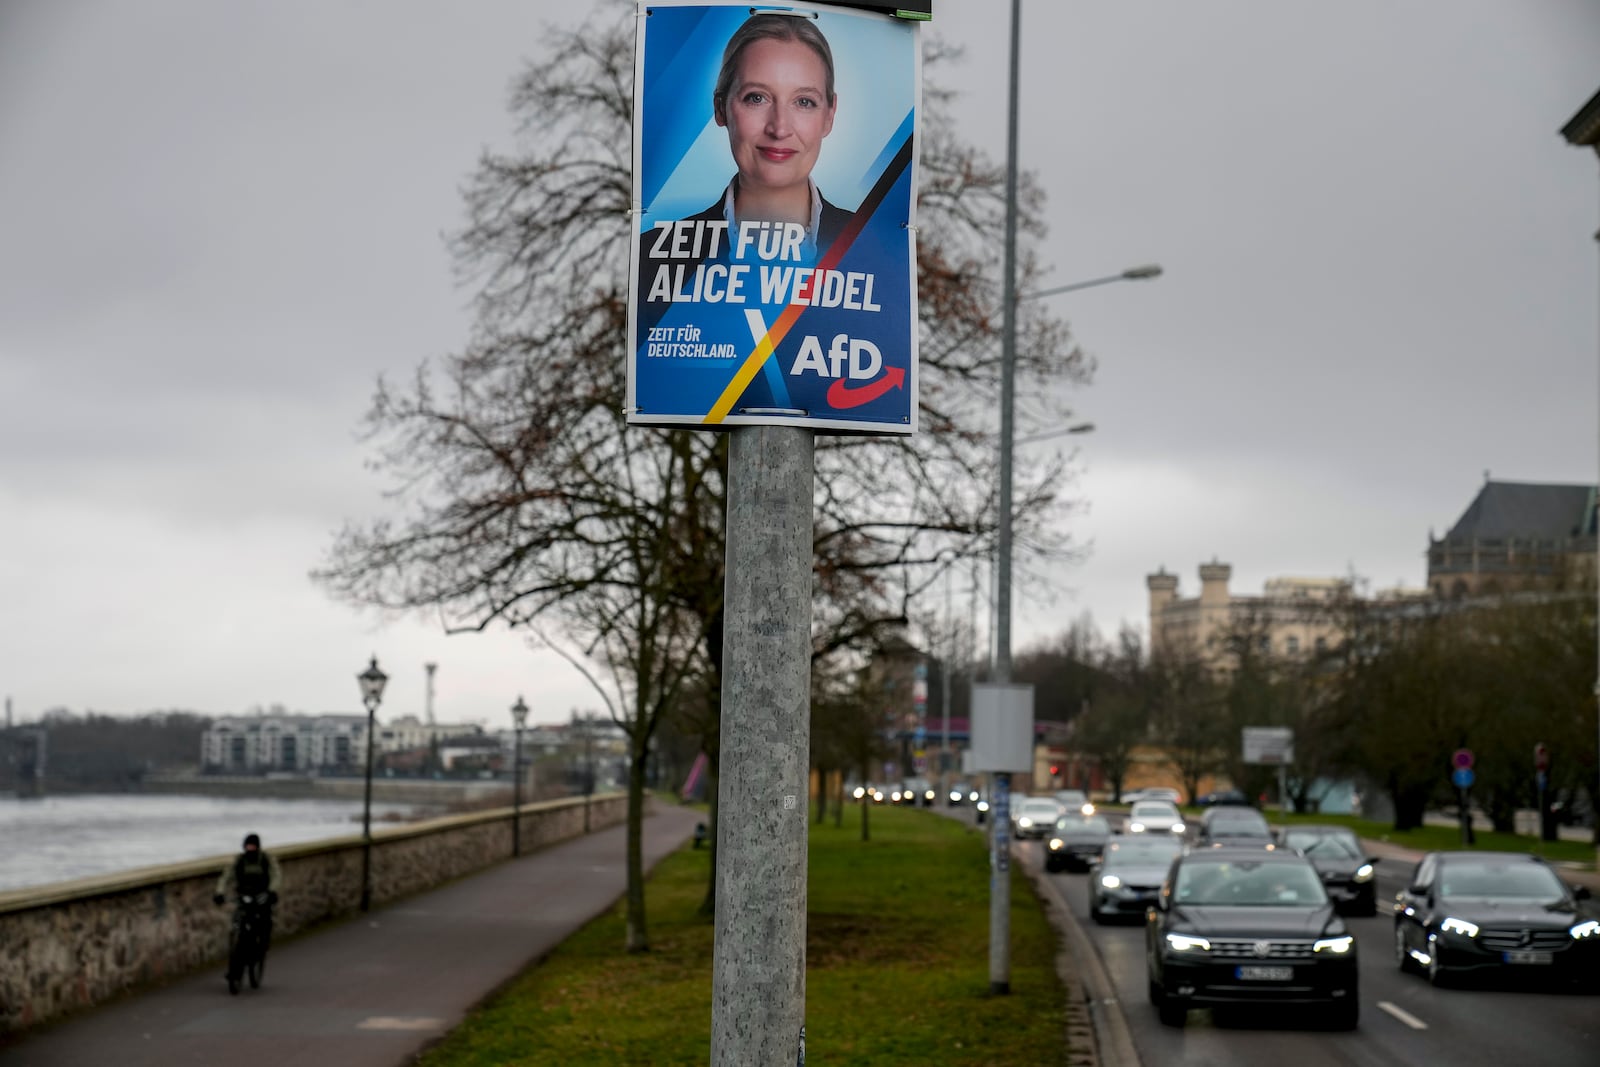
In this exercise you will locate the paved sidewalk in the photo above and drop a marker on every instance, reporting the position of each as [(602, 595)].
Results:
[(372, 991)]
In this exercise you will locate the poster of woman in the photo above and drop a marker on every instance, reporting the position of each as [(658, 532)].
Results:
[(773, 276)]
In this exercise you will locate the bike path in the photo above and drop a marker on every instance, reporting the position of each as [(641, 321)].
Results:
[(373, 990)]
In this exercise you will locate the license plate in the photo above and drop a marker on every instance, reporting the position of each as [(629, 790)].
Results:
[(1524, 956), (1264, 974)]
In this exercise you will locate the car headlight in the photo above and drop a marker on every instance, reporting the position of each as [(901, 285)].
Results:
[(972, 795), (860, 792), (1185, 943), (1459, 926), (983, 805), (1110, 881), (1024, 822), (1178, 827), (1336, 945), (1136, 828), (1056, 843), (928, 795), (1363, 873), (955, 796), (1586, 929), (1088, 809)]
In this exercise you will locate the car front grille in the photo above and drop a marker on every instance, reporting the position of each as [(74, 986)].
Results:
[(1248, 949), (1506, 939)]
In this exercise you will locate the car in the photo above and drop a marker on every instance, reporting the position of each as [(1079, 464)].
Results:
[(1348, 873), (1242, 926), (1033, 816), (961, 793), (1076, 841), (1156, 817), (1156, 792), (1128, 875), (1222, 797), (1233, 826), (1074, 800), (1485, 912)]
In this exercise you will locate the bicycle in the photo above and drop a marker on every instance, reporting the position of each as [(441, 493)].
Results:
[(247, 950)]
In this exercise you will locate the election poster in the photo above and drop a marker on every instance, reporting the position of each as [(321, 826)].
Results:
[(773, 276)]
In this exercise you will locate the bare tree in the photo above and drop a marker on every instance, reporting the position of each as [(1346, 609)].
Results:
[(523, 499)]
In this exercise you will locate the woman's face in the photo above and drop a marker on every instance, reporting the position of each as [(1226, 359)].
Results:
[(777, 114)]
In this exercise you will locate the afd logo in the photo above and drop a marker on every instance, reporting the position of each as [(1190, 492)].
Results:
[(847, 360)]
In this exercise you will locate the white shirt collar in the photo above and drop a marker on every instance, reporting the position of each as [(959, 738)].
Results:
[(812, 229)]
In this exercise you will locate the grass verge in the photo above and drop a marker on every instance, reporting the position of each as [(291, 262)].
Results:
[(897, 966)]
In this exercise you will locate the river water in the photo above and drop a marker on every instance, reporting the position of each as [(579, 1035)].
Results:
[(59, 838)]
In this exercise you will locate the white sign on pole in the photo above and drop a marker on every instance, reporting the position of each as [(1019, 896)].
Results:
[(1271, 745), (1002, 727)]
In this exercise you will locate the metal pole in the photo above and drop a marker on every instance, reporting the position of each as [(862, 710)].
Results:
[(366, 815), (759, 967), (516, 794), (944, 700), (1000, 861), (588, 769)]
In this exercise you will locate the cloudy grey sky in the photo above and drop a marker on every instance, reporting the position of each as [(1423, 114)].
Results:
[(220, 222)]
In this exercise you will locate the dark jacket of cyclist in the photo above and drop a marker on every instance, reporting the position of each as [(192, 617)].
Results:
[(253, 872)]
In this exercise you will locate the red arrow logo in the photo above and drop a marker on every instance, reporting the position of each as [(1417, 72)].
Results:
[(840, 395)]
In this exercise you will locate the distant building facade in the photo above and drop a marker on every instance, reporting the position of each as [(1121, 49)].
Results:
[(1292, 616), (1515, 536), (249, 743)]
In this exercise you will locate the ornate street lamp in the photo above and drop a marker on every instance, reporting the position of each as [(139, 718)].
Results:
[(519, 719), (372, 681)]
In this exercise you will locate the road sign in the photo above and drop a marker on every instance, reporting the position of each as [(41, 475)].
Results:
[(1463, 777), (1268, 744), (1541, 757), (1462, 759)]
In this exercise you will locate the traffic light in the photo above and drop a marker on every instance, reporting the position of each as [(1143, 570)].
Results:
[(1055, 770)]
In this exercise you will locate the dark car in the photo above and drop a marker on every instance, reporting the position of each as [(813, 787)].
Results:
[(1233, 826), (1076, 842), (1347, 871), (1128, 877), (1485, 912), (1222, 797), (1240, 926)]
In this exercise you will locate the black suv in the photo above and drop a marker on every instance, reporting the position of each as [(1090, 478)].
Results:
[(1348, 873), (1236, 926), (1494, 911)]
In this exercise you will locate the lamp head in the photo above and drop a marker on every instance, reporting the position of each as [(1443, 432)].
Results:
[(1150, 270), (519, 713), (372, 681)]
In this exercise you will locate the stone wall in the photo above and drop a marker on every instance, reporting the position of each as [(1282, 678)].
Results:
[(74, 944)]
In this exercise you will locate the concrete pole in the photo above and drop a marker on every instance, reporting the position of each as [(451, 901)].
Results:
[(944, 699), (1000, 857), (759, 966)]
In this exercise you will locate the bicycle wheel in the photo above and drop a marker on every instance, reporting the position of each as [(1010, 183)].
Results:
[(258, 967)]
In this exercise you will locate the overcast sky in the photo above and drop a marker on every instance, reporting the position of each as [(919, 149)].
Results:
[(221, 222)]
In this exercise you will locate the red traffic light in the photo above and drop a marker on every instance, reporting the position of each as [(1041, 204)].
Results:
[(1055, 770)]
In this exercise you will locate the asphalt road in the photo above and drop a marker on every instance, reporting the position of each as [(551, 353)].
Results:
[(1404, 1020)]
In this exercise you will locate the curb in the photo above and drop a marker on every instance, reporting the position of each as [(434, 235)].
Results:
[(1093, 1009)]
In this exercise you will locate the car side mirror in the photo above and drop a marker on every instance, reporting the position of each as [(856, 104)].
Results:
[(1374, 860), (1581, 892), (1418, 890)]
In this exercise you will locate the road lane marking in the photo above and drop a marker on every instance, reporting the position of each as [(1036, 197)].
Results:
[(407, 1022), (1403, 1015)]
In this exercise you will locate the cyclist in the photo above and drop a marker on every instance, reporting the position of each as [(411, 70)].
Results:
[(255, 874)]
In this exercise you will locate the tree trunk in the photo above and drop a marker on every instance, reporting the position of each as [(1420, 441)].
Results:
[(822, 794), (838, 804), (638, 935), (1409, 807)]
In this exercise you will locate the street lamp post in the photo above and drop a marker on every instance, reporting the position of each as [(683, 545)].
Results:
[(519, 719), (999, 866), (1583, 131), (372, 681)]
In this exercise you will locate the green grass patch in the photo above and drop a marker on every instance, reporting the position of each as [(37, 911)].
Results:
[(897, 966), (1432, 838)]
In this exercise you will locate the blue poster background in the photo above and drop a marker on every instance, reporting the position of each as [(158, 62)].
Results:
[(686, 355)]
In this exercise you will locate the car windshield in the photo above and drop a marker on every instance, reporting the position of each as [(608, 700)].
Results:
[(1038, 809), (1083, 824), (1153, 809), (1335, 846), (1246, 883), (1153, 850), (1238, 821), (1520, 881)]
